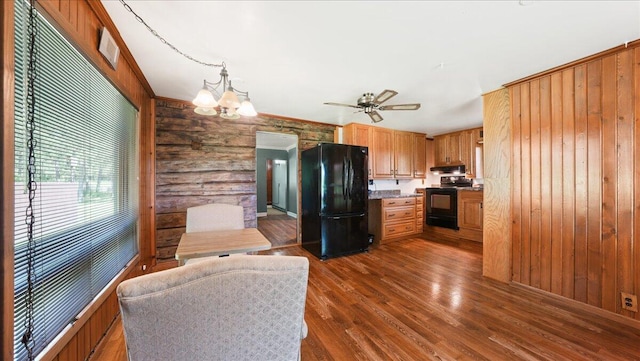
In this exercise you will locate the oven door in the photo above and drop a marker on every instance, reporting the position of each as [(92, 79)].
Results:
[(442, 202), (442, 207)]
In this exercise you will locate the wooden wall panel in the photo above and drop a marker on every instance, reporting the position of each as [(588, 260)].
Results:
[(594, 150), (496, 242), (202, 159), (568, 184), (575, 185)]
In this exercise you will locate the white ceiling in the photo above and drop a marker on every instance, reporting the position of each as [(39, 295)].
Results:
[(292, 56)]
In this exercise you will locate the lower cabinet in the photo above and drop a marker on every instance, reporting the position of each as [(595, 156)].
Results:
[(470, 214), (392, 218)]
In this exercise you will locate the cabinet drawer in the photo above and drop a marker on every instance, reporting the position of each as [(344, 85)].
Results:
[(419, 214), (420, 200), (398, 213), (399, 229), (398, 202)]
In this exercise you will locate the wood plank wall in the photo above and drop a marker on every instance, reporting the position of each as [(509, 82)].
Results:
[(576, 181), (80, 22), (201, 159)]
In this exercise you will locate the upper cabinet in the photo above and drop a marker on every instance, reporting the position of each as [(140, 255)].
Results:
[(419, 155), (447, 148), (359, 134), (382, 152), (458, 148), (403, 154), (393, 154)]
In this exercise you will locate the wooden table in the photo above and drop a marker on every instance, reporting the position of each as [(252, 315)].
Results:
[(220, 243)]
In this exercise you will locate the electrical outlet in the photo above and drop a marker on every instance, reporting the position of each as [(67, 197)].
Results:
[(629, 302)]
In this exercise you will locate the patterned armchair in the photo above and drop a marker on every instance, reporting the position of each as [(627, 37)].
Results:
[(230, 308)]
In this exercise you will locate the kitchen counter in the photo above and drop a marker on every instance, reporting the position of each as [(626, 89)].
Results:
[(457, 188), (391, 194)]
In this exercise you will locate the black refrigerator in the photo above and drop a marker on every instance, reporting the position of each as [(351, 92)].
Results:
[(334, 200)]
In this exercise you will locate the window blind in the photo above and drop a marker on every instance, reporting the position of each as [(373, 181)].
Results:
[(86, 204)]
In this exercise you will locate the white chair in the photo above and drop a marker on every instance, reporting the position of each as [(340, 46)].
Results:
[(231, 308), (214, 217)]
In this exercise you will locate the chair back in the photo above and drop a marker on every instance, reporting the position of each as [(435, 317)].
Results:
[(230, 308), (214, 217)]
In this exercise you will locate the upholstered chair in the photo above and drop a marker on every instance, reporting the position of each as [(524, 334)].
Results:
[(214, 217), (230, 308)]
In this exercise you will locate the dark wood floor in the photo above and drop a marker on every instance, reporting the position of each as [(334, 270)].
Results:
[(423, 300), (279, 228)]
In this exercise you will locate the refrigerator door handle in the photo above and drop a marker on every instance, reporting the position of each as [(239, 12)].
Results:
[(350, 178), (344, 180)]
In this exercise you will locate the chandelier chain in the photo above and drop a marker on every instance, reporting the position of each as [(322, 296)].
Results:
[(28, 339), (164, 41)]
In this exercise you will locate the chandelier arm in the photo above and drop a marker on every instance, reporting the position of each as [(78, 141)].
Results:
[(164, 41)]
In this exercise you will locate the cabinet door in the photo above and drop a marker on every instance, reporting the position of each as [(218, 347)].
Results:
[(383, 153), (470, 210), (440, 149), (419, 155), (466, 150), (453, 148), (403, 154), (360, 134)]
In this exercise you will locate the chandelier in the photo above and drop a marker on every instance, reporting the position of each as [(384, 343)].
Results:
[(228, 103)]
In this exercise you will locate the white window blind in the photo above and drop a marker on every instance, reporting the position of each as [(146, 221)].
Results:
[(86, 204)]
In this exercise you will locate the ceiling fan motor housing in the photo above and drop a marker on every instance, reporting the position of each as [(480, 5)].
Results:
[(366, 100)]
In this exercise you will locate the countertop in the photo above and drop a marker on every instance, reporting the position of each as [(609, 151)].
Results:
[(475, 189), (391, 194)]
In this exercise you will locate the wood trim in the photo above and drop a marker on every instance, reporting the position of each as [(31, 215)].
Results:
[(631, 44), (7, 190)]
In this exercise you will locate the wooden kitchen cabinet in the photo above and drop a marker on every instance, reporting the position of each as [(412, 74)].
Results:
[(362, 135), (470, 210), (392, 218), (447, 149), (403, 154), (458, 148), (420, 210), (393, 154), (419, 155), (383, 156)]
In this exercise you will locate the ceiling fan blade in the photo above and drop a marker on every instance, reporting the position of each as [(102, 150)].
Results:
[(375, 117), (414, 106), (384, 96), (342, 105)]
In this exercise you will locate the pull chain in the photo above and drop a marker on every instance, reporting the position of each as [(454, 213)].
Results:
[(155, 33), (28, 339)]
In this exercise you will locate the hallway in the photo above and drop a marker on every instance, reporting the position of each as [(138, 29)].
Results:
[(278, 227)]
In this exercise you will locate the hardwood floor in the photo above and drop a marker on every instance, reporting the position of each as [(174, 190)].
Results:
[(279, 228), (424, 300)]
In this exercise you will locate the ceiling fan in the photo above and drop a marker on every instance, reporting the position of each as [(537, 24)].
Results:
[(369, 104)]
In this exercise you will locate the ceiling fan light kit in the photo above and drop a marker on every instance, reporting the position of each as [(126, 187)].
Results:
[(368, 103)]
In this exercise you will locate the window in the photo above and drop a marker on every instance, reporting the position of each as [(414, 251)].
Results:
[(87, 200)]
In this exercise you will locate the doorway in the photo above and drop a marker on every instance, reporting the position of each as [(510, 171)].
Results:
[(277, 187)]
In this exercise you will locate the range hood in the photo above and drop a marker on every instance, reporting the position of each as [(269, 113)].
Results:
[(450, 169)]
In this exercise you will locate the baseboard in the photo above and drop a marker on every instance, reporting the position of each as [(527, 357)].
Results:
[(262, 214), (291, 214), (583, 307)]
